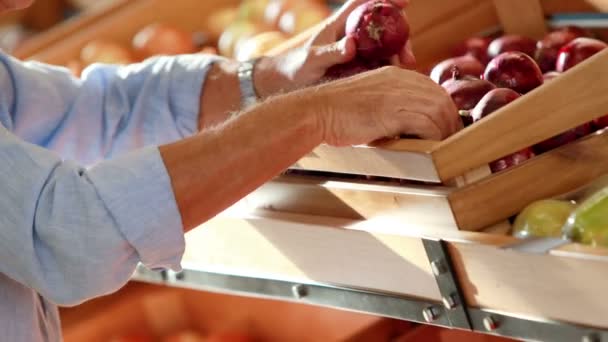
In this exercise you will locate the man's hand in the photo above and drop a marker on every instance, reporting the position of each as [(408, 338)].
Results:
[(383, 103), (307, 65)]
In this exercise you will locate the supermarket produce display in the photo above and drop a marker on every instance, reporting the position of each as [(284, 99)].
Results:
[(533, 107)]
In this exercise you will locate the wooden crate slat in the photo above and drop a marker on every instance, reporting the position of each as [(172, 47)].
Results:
[(523, 17), (46, 39), (552, 287), (576, 97), (554, 173), (312, 253), (561, 285), (422, 206), (372, 162)]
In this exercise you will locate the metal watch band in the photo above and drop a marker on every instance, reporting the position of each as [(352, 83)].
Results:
[(245, 74)]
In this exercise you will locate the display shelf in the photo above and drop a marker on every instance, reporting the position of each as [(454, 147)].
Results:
[(379, 269)]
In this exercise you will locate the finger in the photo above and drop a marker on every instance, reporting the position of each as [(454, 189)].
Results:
[(421, 126), (454, 118), (329, 55), (407, 58)]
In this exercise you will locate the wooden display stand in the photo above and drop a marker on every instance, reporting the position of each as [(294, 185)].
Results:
[(370, 236), (471, 198)]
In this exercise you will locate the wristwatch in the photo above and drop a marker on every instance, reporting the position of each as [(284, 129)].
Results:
[(249, 97)]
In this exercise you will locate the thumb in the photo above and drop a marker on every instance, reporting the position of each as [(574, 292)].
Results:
[(339, 52)]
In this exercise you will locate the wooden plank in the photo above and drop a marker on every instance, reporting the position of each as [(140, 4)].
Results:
[(569, 6), (425, 206), (578, 96), (371, 161), (551, 174), (436, 43), (524, 17), (382, 256), (566, 289), (301, 252), (49, 37)]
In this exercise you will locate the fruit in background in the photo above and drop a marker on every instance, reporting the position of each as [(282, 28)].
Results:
[(514, 70), (601, 122), (492, 101), (379, 29), (543, 218), (563, 138), (577, 51), (220, 19), (548, 48), (467, 91), (462, 66), (185, 336), (99, 51), (476, 47), (137, 337), (356, 66), (234, 35), (510, 43), (229, 336), (75, 66), (302, 16), (550, 75), (209, 50), (252, 10), (258, 45), (162, 40), (274, 10), (511, 160), (588, 223)]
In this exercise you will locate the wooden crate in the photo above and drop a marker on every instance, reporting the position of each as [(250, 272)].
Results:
[(476, 198), (158, 312)]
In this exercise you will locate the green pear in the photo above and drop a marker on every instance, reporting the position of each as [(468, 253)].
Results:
[(543, 218), (588, 224)]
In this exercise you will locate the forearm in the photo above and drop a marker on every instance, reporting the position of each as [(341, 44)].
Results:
[(221, 94), (213, 170)]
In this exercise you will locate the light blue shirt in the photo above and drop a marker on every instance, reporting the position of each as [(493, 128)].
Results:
[(73, 226)]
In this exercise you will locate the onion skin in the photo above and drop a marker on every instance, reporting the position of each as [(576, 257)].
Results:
[(563, 138), (601, 123), (511, 160), (379, 29), (548, 48), (467, 91), (476, 47), (512, 43), (462, 66), (550, 75), (492, 101), (514, 70), (577, 51)]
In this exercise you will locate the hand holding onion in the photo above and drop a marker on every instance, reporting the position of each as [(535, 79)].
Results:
[(350, 35)]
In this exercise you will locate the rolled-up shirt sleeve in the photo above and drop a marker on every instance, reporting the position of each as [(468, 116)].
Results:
[(72, 232)]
